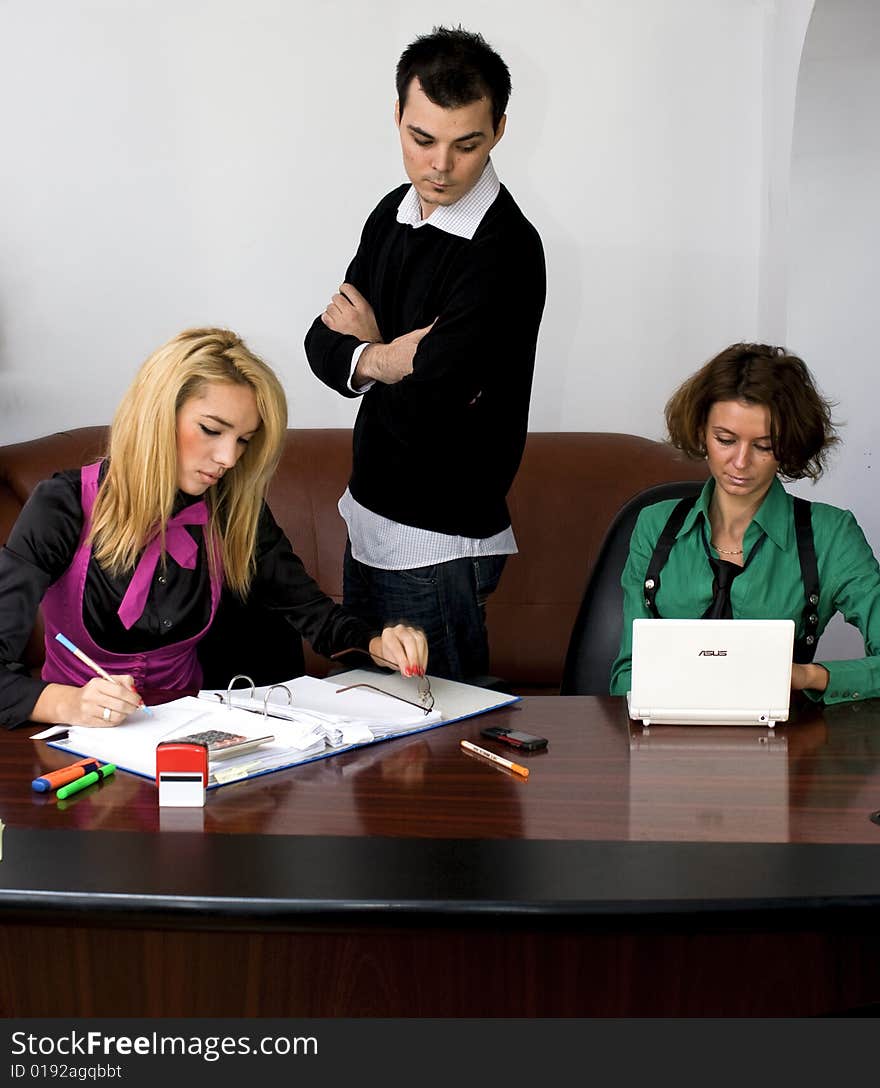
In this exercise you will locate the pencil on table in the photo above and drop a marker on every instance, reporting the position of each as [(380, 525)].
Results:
[(517, 768)]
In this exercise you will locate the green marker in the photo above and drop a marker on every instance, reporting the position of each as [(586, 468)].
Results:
[(86, 780)]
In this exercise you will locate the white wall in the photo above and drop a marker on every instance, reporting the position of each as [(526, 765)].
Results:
[(174, 162), (695, 180), (832, 308)]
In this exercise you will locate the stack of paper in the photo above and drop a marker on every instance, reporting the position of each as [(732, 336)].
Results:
[(132, 745)]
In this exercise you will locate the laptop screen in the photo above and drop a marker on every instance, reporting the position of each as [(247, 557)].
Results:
[(713, 672)]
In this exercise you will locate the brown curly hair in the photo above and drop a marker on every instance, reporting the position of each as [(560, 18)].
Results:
[(801, 428)]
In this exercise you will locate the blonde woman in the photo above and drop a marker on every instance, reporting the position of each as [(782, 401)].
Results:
[(129, 555)]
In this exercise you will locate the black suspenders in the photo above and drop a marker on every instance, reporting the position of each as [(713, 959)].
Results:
[(804, 647), (662, 549)]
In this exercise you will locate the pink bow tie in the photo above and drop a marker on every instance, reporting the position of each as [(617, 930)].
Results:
[(179, 545)]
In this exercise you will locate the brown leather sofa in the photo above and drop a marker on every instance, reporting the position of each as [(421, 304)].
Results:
[(569, 487)]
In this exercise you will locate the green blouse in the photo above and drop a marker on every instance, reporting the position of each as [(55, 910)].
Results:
[(769, 588)]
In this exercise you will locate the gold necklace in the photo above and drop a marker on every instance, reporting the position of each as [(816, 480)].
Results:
[(726, 551)]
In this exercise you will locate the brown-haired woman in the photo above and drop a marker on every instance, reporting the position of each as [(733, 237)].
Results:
[(754, 413)]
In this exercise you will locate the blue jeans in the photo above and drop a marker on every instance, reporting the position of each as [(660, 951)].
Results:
[(447, 600)]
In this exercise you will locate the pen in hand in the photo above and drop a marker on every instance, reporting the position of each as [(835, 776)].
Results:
[(95, 667)]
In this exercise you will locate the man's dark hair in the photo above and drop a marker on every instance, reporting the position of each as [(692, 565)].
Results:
[(455, 67)]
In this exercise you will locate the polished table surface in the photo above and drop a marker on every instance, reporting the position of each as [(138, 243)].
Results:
[(673, 830), (602, 786)]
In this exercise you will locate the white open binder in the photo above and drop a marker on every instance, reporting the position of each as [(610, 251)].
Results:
[(317, 720)]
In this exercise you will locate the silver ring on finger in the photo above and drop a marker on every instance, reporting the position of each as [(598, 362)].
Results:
[(106, 714)]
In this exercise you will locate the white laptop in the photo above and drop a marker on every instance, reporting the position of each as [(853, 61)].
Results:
[(711, 672)]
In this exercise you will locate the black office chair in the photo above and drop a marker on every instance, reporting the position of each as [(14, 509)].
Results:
[(595, 638)]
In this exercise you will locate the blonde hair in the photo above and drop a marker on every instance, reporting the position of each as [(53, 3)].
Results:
[(136, 497)]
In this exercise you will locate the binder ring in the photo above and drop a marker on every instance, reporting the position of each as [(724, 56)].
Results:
[(238, 676), (283, 687)]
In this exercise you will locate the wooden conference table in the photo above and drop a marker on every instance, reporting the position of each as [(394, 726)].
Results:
[(684, 872)]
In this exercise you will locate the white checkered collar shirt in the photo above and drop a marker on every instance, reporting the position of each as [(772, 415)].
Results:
[(461, 218)]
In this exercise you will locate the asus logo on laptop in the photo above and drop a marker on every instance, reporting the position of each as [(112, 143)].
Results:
[(712, 653)]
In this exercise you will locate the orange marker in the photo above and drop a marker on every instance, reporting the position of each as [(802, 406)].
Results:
[(517, 768), (53, 780)]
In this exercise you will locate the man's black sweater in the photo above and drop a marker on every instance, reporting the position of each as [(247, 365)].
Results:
[(439, 449)]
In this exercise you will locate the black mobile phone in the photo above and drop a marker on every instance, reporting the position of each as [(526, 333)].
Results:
[(514, 738)]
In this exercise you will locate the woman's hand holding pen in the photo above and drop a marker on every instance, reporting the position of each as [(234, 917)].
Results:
[(406, 647), (99, 703)]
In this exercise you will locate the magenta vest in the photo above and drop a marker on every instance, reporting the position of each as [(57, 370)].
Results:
[(170, 668)]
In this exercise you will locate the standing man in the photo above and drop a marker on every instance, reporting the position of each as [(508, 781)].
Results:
[(435, 330)]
